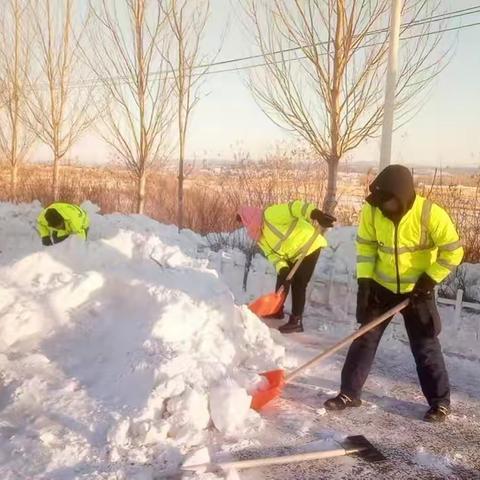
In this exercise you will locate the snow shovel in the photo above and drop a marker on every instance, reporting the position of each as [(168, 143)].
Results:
[(277, 378), (356, 445), (271, 303)]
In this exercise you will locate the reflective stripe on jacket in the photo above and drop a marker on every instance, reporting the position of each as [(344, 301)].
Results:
[(76, 221), (425, 240), (286, 229)]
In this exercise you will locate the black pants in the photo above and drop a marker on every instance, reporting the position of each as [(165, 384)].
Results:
[(300, 281), (422, 323)]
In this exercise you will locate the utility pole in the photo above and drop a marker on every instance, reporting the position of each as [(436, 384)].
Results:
[(389, 106)]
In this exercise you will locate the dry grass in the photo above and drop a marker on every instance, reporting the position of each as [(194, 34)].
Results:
[(113, 190), (212, 199)]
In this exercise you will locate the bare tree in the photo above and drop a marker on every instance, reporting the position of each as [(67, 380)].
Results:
[(188, 66), (15, 139), (130, 44), (59, 110), (325, 64)]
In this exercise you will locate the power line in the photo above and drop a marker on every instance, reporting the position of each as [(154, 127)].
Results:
[(435, 18), (424, 21), (264, 64)]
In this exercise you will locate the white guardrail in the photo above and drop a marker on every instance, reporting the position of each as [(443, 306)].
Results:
[(458, 303), (265, 279)]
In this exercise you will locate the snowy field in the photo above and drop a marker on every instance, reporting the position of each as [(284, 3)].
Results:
[(122, 356)]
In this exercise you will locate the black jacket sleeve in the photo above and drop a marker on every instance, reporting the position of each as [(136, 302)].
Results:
[(46, 241)]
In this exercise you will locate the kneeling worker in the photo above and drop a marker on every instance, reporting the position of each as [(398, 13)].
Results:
[(282, 231), (406, 244), (60, 220)]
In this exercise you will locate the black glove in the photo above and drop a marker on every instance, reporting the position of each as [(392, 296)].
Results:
[(324, 219), (423, 288), (363, 299), (282, 279), (46, 241)]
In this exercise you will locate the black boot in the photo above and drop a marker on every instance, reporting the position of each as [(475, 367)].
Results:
[(437, 414), (341, 402), (294, 325)]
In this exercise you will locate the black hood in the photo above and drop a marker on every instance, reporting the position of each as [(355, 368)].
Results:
[(395, 180)]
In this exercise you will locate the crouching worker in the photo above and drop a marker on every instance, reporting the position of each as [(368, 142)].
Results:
[(60, 220), (282, 232), (406, 244)]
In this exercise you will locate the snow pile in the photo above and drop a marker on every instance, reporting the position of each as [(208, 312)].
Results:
[(114, 364), (338, 261)]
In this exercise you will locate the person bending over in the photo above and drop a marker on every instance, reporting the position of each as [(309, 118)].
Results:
[(60, 220), (282, 231)]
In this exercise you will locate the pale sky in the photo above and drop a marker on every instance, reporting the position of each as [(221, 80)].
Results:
[(446, 131)]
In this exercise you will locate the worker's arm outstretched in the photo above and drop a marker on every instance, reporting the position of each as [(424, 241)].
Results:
[(283, 213), (299, 209), (446, 239)]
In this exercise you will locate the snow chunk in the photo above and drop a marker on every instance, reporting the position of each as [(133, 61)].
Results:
[(229, 407)]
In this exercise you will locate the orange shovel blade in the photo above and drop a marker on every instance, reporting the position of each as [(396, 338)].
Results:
[(276, 380), (269, 304)]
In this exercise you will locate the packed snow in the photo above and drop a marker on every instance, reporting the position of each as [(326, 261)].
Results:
[(132, 354), (125, 350)]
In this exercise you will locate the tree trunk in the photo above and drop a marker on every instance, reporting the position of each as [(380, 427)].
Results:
[(182, 119), (181, 159), (13, 182), (139, 16), (142, 180), (56, 175), (180, 191), (329, 203)]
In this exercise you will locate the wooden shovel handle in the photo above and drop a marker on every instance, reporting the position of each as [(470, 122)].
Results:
[(361, 331), (299, 457), (258, 462)]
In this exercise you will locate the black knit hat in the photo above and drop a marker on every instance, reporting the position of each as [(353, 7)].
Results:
[(393, 181), (54, 219)]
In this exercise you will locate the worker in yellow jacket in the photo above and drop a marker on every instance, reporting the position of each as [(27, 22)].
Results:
[(406, 245), (60, 220), (282, 231)]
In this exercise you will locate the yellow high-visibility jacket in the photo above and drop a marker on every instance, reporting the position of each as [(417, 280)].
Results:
[(287, 227), (76, 221), (425, 241)]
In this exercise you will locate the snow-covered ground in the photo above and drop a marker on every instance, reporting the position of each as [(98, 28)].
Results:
[(120, 356), (390, 417)]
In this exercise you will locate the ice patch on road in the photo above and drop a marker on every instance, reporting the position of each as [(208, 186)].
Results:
[(431, 461)]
